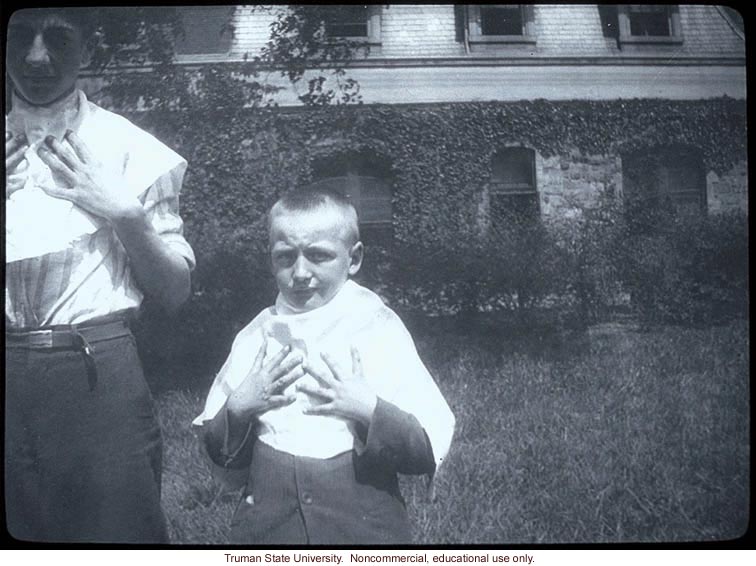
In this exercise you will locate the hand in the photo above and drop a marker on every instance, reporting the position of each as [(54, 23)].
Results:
[(347, 394), (262, 389), (15, 163), (85, 181)]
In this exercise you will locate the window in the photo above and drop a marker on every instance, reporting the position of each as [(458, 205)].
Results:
[(501, 23), (649, 23), (365, 179), (207, 31), (671, 178), (356, 21), (512, 191)]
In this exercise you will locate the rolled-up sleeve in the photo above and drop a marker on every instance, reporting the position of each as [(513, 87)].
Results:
[(161, 203)]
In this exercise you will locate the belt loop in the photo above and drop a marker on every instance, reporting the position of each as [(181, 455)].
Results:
[(89, 361)]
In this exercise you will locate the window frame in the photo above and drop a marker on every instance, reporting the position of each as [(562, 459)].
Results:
[(499, 189), (476, 31), (373, 36), (625, 30)]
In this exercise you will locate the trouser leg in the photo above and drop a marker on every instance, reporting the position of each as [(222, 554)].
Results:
[(97, 451)]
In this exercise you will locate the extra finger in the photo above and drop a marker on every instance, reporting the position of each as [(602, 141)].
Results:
[(356, 363), (316, 390), (324, 377), (64, 153), (278, 358), (56, 165), (276, 401), (81, 149), (282, 383), (333, 365), (324, 409), (260, 355)]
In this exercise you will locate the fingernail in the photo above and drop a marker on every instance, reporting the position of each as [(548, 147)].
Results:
[(49, 140), (68, 133)]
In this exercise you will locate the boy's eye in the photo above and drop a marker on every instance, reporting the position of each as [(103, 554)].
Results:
[(58, 38), (284, 258), (318, 257), (20, 35)]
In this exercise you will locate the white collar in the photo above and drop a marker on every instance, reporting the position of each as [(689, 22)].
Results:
[(54, 119)]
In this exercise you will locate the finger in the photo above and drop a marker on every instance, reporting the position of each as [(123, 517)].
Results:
[(260, 355), (282, 383), (15, 158), (277, 359), (333, 365), (64, 154), (356, 363), (277, 401), (14, 142), (322, 376), (58, 192), (56, 165), (324, 409), (317, 391), (81, 149)]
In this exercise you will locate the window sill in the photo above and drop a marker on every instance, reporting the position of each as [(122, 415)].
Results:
[(651, 39), (503, 39)]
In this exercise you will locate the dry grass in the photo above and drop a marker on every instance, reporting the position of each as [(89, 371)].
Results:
[(631, 437)]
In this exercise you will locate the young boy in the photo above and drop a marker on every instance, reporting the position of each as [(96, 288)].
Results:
[(344, 405)]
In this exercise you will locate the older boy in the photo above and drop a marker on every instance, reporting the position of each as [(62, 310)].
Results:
[(324, 452), (92, 225)]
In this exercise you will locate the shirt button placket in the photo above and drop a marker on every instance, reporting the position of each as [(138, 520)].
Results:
[(305, 494)]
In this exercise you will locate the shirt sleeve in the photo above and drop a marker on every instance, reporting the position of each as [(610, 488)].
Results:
[(396, 440), (161, 203), (215, 439)]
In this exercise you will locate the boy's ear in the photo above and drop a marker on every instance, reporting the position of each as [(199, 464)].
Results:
[(355, 258), (91, 44)]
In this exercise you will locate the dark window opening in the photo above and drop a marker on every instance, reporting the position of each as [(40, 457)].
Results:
[(207, 30), (347, 21), (513, 196), (501, 20), (649, 20)]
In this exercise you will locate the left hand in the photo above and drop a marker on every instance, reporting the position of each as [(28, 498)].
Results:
[(85, 181), (347, 394)]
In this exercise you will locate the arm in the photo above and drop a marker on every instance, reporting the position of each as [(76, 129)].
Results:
[(160, 270), (397, 440), (394, 439)]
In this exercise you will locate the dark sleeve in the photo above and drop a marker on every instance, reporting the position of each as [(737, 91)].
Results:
[(215, 440), (397, 441)]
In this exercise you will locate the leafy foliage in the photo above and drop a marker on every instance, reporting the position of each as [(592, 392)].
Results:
[(443, 259)]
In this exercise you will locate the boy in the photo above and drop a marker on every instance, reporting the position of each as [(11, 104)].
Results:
[(344, 405), (92, 226)]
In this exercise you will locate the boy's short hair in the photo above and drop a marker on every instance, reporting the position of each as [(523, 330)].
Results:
[(85, 19), (314, 196)]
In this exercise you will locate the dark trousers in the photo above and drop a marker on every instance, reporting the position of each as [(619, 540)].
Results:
[(82, 459), (298, 500)]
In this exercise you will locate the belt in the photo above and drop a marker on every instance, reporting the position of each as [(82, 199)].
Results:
[(74, 337), (66, 337)]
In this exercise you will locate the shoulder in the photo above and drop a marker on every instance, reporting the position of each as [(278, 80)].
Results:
[(124, 132), (254, 326)]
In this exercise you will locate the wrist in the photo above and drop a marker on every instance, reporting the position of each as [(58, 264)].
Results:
[(128, 216)]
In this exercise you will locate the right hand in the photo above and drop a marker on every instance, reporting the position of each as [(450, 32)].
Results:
[(262, 389), (15, 163)]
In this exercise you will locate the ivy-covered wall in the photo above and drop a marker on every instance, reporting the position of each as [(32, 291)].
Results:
[(439, 159)]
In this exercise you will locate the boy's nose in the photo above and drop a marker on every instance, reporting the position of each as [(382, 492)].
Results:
[(302, 270), (38, 54)]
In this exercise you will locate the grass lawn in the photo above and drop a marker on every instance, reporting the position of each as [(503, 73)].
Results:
[(635, 436)]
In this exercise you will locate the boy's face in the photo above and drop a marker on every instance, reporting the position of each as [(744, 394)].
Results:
[(311, 255), (44, 55)]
